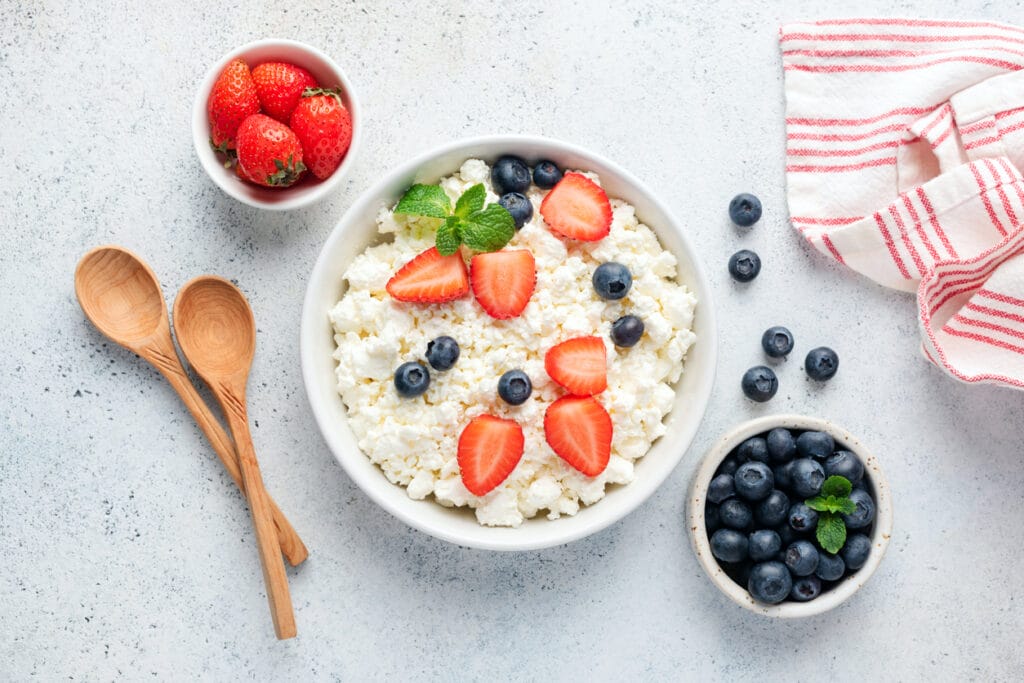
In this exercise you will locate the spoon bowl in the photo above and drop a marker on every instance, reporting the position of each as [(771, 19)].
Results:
[(215, 327), (120, 295)]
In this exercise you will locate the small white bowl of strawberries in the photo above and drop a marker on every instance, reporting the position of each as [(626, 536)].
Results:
[(276, 124)]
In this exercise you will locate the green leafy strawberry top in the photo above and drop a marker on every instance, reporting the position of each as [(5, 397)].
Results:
[(479, 227)]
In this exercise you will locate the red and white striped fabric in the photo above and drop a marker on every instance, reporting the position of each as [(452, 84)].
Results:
[(904, 152)]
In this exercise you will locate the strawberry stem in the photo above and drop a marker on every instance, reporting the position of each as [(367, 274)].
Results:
[(287, 173)]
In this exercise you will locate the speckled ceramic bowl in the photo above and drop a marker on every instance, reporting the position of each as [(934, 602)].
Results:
[(309, 189), (843, 589)]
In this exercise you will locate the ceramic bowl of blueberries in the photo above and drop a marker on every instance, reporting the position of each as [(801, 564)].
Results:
[(789, 515)]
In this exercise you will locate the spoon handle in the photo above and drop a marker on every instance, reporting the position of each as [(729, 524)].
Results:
[(169, 365), (274, 576)]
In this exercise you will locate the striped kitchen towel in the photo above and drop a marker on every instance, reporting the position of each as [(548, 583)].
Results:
[(904, 152)]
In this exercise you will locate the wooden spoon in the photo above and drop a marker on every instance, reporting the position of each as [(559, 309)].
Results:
[(217, 334), (121, 296)]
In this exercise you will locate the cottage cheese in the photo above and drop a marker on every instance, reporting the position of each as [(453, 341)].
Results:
[(414, 441)]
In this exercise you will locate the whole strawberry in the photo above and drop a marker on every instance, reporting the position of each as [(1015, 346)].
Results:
[(279, 86), (268, 152), (324, 127), (232, 100)]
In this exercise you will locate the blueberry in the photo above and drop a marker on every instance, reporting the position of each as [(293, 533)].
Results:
[(781, 445), (412, 379), (808, 476), (821, 363), (783, 475), (519, 206), (735, 514), (720, 488), (627, 330), (830, 567), (744, 265), (754, 448), (763, 544), (546, 175), (773, 510), (728, 466), (754, 480), (855, 552), (770, 582), (802, 518), (729, 545), (844, 464), (815, 445), (745, 210), (802, 558), (712, 521), (612, 280), (861, 517), (777, 342), (805, 588), (786, 535), (739, 573), (442, 353), (510, 174), (760, 383), (515, 387)]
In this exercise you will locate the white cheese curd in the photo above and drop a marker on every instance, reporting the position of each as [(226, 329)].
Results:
[(414, 440)]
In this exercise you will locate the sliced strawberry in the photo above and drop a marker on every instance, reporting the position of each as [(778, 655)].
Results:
[(430, 278), (489, 449), (577, 208), (579, 430), (503, 281), (580, 365)]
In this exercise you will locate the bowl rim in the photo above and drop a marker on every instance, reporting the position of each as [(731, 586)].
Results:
[(841, 592), (201, 133), (311, 325)]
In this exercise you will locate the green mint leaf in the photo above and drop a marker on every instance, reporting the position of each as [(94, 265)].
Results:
[(425, 200), (449, 236), (489, 229), (847, 506), (471, 201), (817, 503), (831, 532), (837, 486)]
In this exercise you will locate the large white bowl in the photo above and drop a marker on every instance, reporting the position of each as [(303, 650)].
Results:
[(358, 229)]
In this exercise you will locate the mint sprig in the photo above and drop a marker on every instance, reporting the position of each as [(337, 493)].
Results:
[(833, 502), (479, 227)]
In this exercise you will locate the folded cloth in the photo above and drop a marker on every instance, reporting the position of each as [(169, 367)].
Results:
[(904, 151)]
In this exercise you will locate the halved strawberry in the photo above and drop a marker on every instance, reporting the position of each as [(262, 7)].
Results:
[(580, 365), (577, 208), (579, 430), (430, 278), (503, 281), (489, 449)]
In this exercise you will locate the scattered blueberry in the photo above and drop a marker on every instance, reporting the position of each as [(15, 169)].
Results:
[(442, 353), (510, 174), (806, 588), (773, 510), (754, 448), (777, 342), (627, 330), (735, 514), (862, 516), (855, 552), (744, 265), (720, 488), (745, 210), (802, 558), (515, 387), (783, 475), (821, 363), (845, 464), (411, 379), (760, 383), (763, 544), (612, 280), (729, 545), (802, 518), (781, 445), (808, 476), (754, 480), (815, 445), (546, 175), (519, 206), (830, 567), (770, 582), (729, 465)]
